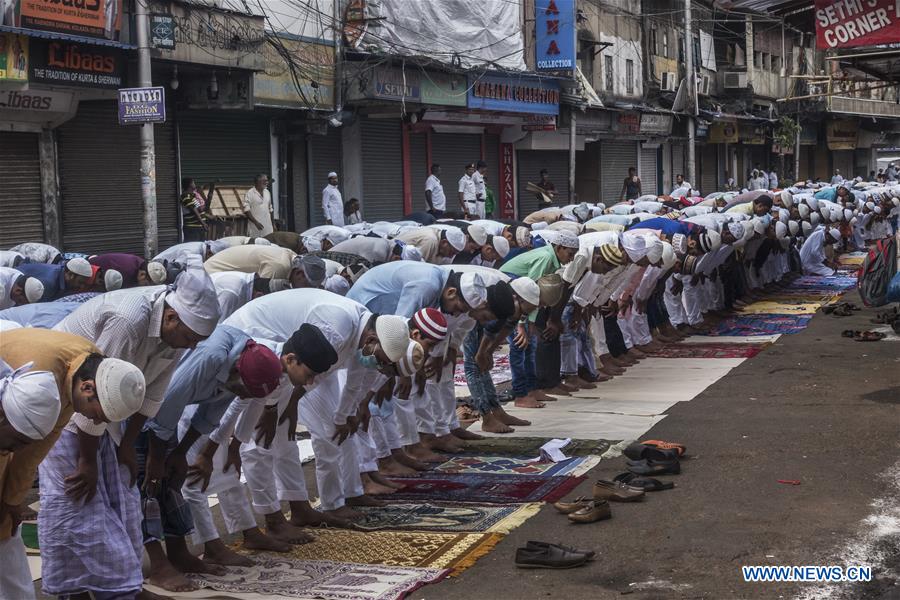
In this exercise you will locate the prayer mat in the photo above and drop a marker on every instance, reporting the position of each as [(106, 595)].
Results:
[(781, 308), (447, 517), (761, 325), (431, 549), (501, 373), (709, 351), (507, 465), (281, 576), (531, 446), (480, 487), (30, 537)]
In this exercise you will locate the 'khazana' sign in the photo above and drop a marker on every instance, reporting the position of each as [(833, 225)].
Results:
[(142, 105), (554, 22), (507, 179), (851, 23)]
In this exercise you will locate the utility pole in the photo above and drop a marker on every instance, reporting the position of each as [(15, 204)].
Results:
[(692, 90), (797, 151), (572, 147), (148, 150)]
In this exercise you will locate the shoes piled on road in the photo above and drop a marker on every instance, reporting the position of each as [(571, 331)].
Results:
[(617, 491), (543, 555)]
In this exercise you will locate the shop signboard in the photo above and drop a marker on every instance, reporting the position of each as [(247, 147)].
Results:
[(513, 93), (60, 62), (842, 134), (142, 105), (853, 23), (13, 58), (656, 124), (162, 31), (723, 132), (507, 182), (445, 89), (89, 18), (554, 27), (539, 123), (754, 135), (627, 123), (276, 87)]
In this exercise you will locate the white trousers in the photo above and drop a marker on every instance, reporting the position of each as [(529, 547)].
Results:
[(639, 328), (405, 415), (475, 208), (598, 336), (235, 507), (15, 576), (365, 450), (674, 305), (691, 298), (337, 466), (385, 433), (440, 402)]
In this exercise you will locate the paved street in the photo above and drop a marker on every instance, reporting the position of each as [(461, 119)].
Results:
[(813, 407)]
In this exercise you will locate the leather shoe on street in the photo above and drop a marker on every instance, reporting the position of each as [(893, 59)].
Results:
[(567, 508), (595, 510), (533, 545), (652, 467), (616, 491), (549, 557)]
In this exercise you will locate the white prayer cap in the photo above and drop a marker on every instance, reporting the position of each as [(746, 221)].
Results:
[(216, 246), (793, 227), (527, 289), (877, 210), (804, 210), (34, 290), (582, 211), (668, 256), (157, 272), (332, 174), (566, 239), (635, 246), (80, 266), (807, 227), (853, 221), (780, 230), (787, 198), (895, 201), (710, 241), (112, 280), (456, 238), (30, 400), (523, 236), (736, 229), (120, 388), (410, 252), (759, 226), (478, 234), (837, 214), (848, 214), (814, 219), (412, 361), (654, 249), (337, 284), (870, 205), (783, 216), (679, 243), (393, 334), (812, 202), (473, 290), (834, 233), (500, 244), (538, 226), (825, 211), (195, 301), (597, 210)]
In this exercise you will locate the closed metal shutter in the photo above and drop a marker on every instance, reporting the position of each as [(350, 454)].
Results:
[(843, 160), (453, 151), (678, 153), (528, 168), (708, 167), (99, 172), (492, 158), (326, 157), (299, 189), (648, 171), (419, 169), (615, 160), (21, 219), (382, 170), (230, 147)]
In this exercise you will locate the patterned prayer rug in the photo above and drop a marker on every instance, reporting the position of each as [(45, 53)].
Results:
[(501, 373), (274, 576), (709, 351), (761, 325), (432, 549), (781, 308), (835, 282), (479, 487), (507, 465), (531, 446), (447, 516)]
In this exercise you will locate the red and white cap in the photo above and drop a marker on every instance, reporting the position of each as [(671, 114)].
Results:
[(431, 322)]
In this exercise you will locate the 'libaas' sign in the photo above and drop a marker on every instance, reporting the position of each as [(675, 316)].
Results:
[(851, 23)]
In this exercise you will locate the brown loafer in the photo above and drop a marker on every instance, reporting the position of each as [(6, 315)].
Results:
[(594, 510), (616, 491), (568, 508)]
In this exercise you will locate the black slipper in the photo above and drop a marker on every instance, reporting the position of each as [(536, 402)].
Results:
[(652, 467), (648, 484), (638, 451)]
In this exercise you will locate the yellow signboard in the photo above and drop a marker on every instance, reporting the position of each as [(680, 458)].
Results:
[(723, 132), (842, 133), (13, 57)]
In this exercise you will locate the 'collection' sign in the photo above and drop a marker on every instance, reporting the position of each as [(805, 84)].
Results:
[(554, 22)]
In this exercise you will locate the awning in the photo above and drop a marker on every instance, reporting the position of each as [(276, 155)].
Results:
[(53, 35), (583, 94)]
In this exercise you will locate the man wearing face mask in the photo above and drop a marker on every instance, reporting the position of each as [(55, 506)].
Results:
[(329, 408), (95, 390), (149, 327)]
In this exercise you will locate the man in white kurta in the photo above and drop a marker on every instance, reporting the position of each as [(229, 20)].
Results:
[(333, 202), (257, 206), (812, 253)]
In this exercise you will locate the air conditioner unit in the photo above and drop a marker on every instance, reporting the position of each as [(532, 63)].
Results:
[(703, 85), (734, 80), (668, 82)]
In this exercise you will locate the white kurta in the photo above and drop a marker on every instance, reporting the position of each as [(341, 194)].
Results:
[(333, 205), (8, 278), (260, 206), (812, 254)]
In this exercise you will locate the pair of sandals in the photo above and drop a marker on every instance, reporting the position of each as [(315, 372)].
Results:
[(648, 484), (886, 317), (654, 457), (863, 336), (843, 309)]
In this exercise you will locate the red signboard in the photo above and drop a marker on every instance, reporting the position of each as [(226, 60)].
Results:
[(851, 23), (507, 182)]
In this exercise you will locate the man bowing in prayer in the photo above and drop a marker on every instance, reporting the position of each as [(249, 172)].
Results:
[(812, 253)]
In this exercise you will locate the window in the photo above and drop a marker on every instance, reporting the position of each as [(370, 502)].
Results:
[(665, 51), (629, 77), (608, 72), (756, 58), (776, 64), (586, 60), (681, 49), (653, 48)]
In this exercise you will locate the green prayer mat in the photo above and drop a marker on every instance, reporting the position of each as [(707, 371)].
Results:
[(30, 536)]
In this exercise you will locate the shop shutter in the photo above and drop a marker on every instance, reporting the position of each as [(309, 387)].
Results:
[(326, 157), (843, 160), (528, 168), (99, 172), (231, 147), (615, 159), (453, 151), (299, 190), (648, 171), (21, 219), (492, 158), (678, 154), (382, 170), (419, 169), (708, 167)]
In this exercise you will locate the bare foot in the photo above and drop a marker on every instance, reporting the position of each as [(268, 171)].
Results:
[(304, 515), (508, 419), (365, 500), (388, 467), (344, 512), (283, 531), (188, 563), (557, 391), (168, 578), (540, 396), (425, 454), (446, 443), (494, 425), (216, 552), (528, 402), (400, 456), (465, 434), (376, 489), (255, 539), (580, 383)]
